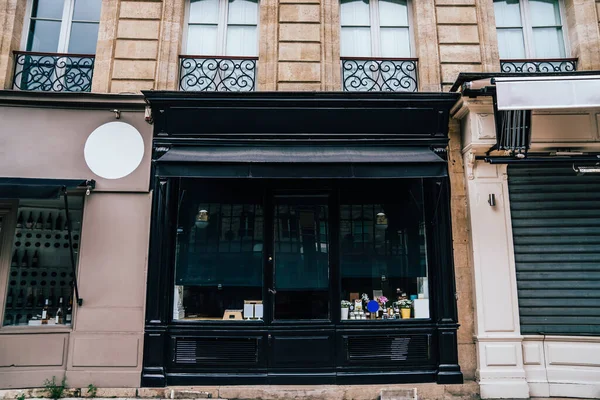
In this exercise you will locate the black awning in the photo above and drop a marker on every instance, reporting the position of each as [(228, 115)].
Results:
[(301, 162), (33, 188)]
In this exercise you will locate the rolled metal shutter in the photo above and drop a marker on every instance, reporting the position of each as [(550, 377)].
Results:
[(556, 231)]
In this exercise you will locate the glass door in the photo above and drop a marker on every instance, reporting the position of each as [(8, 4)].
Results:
[(300, 289)]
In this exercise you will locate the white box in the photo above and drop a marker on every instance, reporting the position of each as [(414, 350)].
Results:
[(248, 311), (421, 307), (258, 311)]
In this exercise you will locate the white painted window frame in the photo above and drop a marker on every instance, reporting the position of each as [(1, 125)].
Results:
[(222, 26), (375, 28), (527, 28)]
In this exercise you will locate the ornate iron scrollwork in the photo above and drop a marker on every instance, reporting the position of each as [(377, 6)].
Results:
[(375, 74), (222, 74), (531, 66), (53, 72)]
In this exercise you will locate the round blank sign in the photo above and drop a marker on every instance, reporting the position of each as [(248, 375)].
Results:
[(114, 150)]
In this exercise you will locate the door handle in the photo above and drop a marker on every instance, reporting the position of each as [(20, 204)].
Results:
[(272, 291)]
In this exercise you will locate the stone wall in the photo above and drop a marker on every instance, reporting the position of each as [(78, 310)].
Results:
[(12, 15)]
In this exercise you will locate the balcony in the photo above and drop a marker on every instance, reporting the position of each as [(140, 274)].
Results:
[(528, 66), (360, 74), (53, 72), (217, 74)]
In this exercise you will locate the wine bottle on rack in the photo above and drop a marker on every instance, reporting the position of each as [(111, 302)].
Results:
[(29, 222), (25, 260), (35, 260), (19, 303), (50, 298), (45, 313), (69, 313), (17, 319), (9, 299), (40, 222), (29, 301), (15, 260), (40, 299), (49, 221), (59, 223), (59, 312), (20, 220)]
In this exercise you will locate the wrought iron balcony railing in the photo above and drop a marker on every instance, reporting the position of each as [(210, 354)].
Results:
[(360, 74), (217, 74), (53, 72), (539, 65)]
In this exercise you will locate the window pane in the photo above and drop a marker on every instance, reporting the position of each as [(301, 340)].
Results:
[(43, 36), (244, 12), (395, 42), (219, 255), (393, 13), (84, 37), (544, 12), (510, 43), (87, 10), (355, 42), (383, 253), (508, 13), (241, 41), (355, 13), (548, 43), (40, 263), (204, 11), (47, 9), (202, 40)]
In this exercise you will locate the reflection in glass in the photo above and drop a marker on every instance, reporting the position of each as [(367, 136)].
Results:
[(43, 36), (50, 9), (383, 252), (301, 260), (84, 37), (87, 10)]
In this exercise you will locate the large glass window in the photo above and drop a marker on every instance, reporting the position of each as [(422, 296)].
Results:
[(40, 277), (529, 29), (383, 254), (375, 28), (222, 28), (219, 260)]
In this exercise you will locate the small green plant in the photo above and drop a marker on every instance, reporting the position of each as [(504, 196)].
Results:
[(54, 390), (92, 390), (20, 396)]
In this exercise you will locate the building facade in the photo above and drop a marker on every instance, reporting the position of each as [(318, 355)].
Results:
[(181, 54)]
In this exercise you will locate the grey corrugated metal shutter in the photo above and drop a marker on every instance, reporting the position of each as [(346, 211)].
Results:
[(556, 232)]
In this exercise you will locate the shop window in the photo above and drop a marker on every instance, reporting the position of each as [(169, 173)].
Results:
[(383, 255), (218, 273), (529, 29), (40, 278)]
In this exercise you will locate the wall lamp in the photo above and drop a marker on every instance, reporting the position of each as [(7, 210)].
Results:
[(492, 200)]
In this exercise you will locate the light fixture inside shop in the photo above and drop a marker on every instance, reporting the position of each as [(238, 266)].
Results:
[(201, 219), (587, 169), (381, 222)]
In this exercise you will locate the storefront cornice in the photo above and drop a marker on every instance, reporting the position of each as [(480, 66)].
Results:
[(73, 100)]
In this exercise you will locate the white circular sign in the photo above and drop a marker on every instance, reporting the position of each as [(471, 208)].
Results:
[(114, 150)]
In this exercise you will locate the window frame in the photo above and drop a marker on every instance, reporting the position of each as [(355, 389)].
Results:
[(222, 25), (66, 24), (527, 28), (375, 30)]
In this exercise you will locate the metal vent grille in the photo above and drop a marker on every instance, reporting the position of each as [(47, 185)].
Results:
[(513, 130), (217, 351), (388, 348)]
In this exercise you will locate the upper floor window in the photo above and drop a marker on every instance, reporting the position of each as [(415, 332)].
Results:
[(375, 28), (529, 29), (63, 26), (222, 27)]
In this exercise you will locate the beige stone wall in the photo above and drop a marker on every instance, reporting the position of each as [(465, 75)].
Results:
[(12, 15)]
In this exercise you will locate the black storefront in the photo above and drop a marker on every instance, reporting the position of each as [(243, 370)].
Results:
[(271, 210)]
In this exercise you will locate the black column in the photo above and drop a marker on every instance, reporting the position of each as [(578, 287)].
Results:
[(442, 278)]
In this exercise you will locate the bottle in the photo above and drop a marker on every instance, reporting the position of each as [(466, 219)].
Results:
[(40, 222), (40, 299), (20, 220), (25, 260), (66, 222), (20, 299), (59, 312), (29, 301), (48, 225), (45, 313), (35, 260), (59, 223), (69, 313), (9, 299), (50, 299), (15, 260), (17, 319), (29, 222)]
